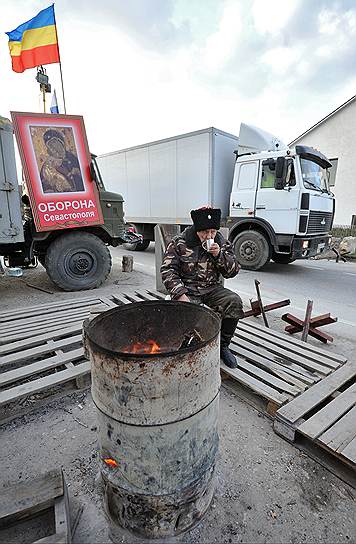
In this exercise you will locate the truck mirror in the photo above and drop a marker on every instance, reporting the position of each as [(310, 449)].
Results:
[(280, 173), (93, 172)]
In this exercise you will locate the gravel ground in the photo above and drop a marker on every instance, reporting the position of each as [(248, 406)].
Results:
[(268, 490)]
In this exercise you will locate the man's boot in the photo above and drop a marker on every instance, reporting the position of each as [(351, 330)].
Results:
[(228, 327)]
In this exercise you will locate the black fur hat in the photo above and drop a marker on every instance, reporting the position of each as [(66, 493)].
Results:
[(206, 218)]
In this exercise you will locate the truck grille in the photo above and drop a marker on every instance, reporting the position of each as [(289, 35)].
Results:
[(319, 222)]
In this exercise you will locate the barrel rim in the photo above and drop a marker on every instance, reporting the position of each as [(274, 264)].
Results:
[(128, 307)]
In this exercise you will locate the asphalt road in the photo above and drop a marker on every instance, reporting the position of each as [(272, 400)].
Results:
[(331, 285)]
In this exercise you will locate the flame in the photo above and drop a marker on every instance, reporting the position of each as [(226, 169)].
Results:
[(111, 462), (150, 346)]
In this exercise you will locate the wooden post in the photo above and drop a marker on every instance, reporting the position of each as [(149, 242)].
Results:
[(127, 263), (307, 321), (163, 235), (257, 285)]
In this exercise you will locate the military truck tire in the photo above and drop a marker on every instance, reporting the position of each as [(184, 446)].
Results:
[(282, 259), (78, 261), (139, 246), (252, 250)]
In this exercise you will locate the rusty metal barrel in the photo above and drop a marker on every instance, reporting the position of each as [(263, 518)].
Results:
[(157, 409)]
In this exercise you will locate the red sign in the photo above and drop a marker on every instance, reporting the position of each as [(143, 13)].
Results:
[(56, 162)]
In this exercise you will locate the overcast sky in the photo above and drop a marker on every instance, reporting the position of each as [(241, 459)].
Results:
[(141, 70)]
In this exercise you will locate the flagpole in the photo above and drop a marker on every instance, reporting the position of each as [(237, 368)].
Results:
[(44, 100), (64, 100), (60, 64)]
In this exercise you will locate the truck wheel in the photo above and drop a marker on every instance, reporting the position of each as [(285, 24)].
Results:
[(139, 246), (282, 259), (78, 261), (252, 250)]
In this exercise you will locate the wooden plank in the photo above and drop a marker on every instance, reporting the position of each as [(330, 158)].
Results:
[(341, 433), (28, 354), (36, 386), (120, 298), (133, 297), (284, 343), (156, 294), (26, 325), (268, 378), (47, 308), (50, 328), (294, 341), (55, 318), (283, 353), (39, 339), (269, 365), (256, 385), (24, 497), (300, 406), (350, 451), (46, 317), (286, 364), (146, 295), (325, 417), (109, 302), (62, 514), (40, 366)]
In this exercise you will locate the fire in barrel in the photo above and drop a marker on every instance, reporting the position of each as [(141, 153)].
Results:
[(155, 383)]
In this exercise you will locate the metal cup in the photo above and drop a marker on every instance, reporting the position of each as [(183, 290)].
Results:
[(207, 244)]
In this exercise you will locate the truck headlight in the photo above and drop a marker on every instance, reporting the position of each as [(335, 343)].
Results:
[(305, 244)]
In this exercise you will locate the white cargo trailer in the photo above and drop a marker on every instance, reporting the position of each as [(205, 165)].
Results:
[(275, 201), (162, 181)]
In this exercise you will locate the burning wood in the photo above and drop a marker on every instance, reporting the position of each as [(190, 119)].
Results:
[(150, 346), (191, 339)]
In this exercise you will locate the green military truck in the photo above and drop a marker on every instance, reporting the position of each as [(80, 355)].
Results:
[(75, 258)]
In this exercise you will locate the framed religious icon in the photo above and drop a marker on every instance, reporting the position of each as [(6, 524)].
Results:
[(56, 162)]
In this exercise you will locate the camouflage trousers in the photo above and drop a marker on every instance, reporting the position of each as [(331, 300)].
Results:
[(223, 301)]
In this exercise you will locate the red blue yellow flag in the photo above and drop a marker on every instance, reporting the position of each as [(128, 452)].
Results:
[(35, 42)]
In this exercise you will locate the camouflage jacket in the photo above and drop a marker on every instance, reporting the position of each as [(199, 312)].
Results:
[(188, 269)]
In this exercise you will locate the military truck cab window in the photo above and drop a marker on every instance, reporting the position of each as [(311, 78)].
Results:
[(314, 176)]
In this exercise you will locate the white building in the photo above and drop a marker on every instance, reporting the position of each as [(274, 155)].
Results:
[(335, 137)]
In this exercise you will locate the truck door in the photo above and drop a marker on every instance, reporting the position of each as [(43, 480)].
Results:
[(11, 229), (278, 207), (242, 200)]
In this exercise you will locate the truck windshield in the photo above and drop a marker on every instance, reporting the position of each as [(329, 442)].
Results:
[(314, 176)]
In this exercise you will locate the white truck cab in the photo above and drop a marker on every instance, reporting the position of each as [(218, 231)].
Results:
[(281, 207)]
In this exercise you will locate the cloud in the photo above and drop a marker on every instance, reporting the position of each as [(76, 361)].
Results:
[(309, 46), (139, 70), (147, 22)]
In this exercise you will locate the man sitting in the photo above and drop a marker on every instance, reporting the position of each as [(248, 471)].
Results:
[(191, 271)]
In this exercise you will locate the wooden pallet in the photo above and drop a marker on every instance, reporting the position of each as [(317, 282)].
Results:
[(276, 368), (325, 415), (273, 366), (26, 500), (48, 360), (46, 318)]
